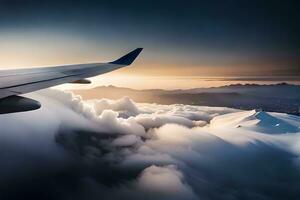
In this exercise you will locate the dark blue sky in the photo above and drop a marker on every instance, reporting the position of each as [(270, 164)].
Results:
[(239, 35)]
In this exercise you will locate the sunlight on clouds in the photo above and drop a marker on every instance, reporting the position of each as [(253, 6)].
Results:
[(120, 149)]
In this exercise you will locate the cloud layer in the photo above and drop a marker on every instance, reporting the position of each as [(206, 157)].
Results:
[(71, 149)]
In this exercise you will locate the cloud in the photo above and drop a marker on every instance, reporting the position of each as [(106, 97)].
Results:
[(127, 140), (125, 106), (125, 150), (167, 182)]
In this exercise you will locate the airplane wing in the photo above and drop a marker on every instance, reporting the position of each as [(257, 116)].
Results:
[(21, 81)]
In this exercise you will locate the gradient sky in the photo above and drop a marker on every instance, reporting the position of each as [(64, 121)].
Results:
[(181, 38)]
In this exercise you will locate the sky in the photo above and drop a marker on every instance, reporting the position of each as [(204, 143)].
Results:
[(180, 38)]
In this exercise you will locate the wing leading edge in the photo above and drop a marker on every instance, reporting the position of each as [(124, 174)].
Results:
[(15, 82)]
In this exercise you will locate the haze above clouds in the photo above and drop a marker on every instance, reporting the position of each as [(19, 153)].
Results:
[(119, 149)]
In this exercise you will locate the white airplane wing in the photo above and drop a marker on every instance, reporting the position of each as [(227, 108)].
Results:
[(16, 82)]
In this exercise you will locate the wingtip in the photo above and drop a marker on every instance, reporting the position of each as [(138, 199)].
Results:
[(128, 58)]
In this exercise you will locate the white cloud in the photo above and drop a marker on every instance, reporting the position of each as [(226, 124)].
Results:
[(166, 181), (126, 150), (125, 106), (127, 140)]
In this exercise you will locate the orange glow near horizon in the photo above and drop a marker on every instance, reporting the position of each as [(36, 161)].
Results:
[(164, 82), (150, 70)]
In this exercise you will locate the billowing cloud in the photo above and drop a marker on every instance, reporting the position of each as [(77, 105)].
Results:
[(72, 149), (167, 182)]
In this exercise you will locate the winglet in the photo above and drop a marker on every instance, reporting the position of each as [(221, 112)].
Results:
[(128, 58)]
